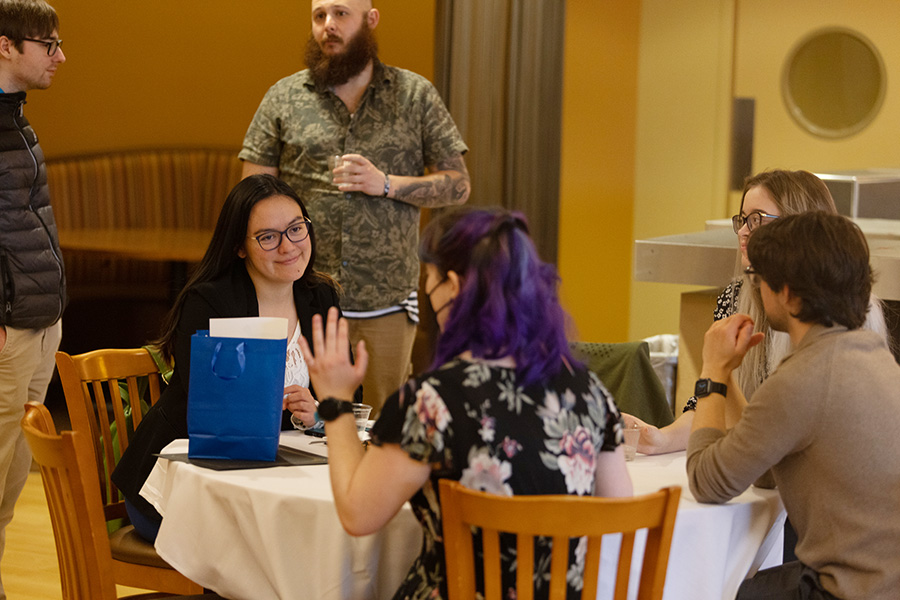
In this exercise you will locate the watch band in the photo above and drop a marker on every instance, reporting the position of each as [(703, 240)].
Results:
[(387, 184), (331, 408), (705, 387)]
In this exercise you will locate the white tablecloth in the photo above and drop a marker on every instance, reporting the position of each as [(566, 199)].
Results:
[(715, 546), (274, 534)]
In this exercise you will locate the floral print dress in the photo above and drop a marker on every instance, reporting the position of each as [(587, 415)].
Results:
[(727, 301), (473, 423)]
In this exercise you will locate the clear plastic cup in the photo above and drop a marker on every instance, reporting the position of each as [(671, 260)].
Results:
[(361, 413)]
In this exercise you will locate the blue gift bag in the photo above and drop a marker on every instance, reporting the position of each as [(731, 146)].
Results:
[(235, 397)]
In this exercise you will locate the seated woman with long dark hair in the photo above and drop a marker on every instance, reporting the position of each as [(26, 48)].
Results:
[(260, 262), (505, 408)]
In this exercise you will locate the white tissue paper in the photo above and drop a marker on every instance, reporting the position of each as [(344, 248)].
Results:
[(264, 328)]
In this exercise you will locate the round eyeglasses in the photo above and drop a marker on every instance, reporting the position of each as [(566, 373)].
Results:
[(52, 45), (272, 239), (753, 220)]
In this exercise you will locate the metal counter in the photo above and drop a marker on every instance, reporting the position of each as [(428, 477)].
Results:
[(710, 257)]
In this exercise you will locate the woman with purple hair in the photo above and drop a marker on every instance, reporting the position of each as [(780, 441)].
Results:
[(505, 408)]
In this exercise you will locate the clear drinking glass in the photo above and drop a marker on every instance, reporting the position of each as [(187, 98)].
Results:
[(334, 161), (632, 437)]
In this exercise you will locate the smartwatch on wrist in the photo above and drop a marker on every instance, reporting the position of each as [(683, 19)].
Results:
[(331, 408), (705, 387), (702, 389)]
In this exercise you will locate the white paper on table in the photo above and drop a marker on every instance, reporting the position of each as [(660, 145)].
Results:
[(264, 328)]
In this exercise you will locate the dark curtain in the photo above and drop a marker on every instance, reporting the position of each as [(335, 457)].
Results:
[(499, 68)]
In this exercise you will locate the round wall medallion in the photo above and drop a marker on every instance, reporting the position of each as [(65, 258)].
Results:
[(834, 82)]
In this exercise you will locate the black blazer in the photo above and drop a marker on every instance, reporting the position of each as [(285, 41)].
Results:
[(233, 295)]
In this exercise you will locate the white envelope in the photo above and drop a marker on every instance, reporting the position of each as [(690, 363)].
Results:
[(264, 328)]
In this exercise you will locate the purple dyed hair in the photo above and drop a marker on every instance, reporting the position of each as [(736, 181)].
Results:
[(508, 303)]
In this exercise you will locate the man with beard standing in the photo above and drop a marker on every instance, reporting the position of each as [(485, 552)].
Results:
[(400, 152)]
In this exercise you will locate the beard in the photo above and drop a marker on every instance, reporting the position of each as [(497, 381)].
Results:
[(330, 71)]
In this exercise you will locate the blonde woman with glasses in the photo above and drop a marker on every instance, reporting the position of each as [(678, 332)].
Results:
[(767, 196)]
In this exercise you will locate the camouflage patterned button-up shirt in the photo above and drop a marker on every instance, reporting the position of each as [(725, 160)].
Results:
[(367, 243)]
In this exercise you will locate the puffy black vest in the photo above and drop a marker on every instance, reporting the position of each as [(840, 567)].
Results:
[(32, 274)]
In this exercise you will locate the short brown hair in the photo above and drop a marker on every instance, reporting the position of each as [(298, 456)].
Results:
[(20, 19), (823, 259)]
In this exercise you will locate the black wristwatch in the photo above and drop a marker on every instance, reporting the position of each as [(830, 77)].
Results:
[(331, 408), (705, 387)]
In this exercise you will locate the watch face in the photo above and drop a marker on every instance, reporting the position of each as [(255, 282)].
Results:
[(705, 387), (327, 410)]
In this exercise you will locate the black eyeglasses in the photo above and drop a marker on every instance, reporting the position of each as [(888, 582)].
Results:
[(753, 277), (52, 45), (295, 233), (753, 220)]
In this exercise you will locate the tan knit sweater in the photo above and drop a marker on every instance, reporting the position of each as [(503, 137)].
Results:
[(827, 423)]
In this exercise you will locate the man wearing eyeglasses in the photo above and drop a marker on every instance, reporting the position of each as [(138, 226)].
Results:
[(399, 151), (825, 424), (32, 277)]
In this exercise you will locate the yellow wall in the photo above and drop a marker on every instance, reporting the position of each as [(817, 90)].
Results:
[(684, 104), (177, 73), (189, 72), (763, 46), (645, 126), (694, 56), (597, 172)]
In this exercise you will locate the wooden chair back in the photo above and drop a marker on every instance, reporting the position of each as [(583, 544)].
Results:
[(90, 383), (86, 567), (559, 517), (85, 561)]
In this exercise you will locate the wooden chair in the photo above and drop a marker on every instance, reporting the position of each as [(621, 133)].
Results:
[(79, 528), (561, 518), (90, 384)]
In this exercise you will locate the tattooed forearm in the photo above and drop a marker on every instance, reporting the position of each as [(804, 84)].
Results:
[(447, 184)]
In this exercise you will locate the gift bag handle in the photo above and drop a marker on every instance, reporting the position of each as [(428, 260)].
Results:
[(241, 361)]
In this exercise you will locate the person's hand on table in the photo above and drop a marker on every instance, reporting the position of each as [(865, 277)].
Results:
[(300, 401), (332, 373), (652, 440)]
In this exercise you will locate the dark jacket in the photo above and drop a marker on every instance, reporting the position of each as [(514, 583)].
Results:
[(32, 276), (230, 296)]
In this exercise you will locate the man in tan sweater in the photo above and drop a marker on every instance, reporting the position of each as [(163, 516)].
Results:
[(825, 424)]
